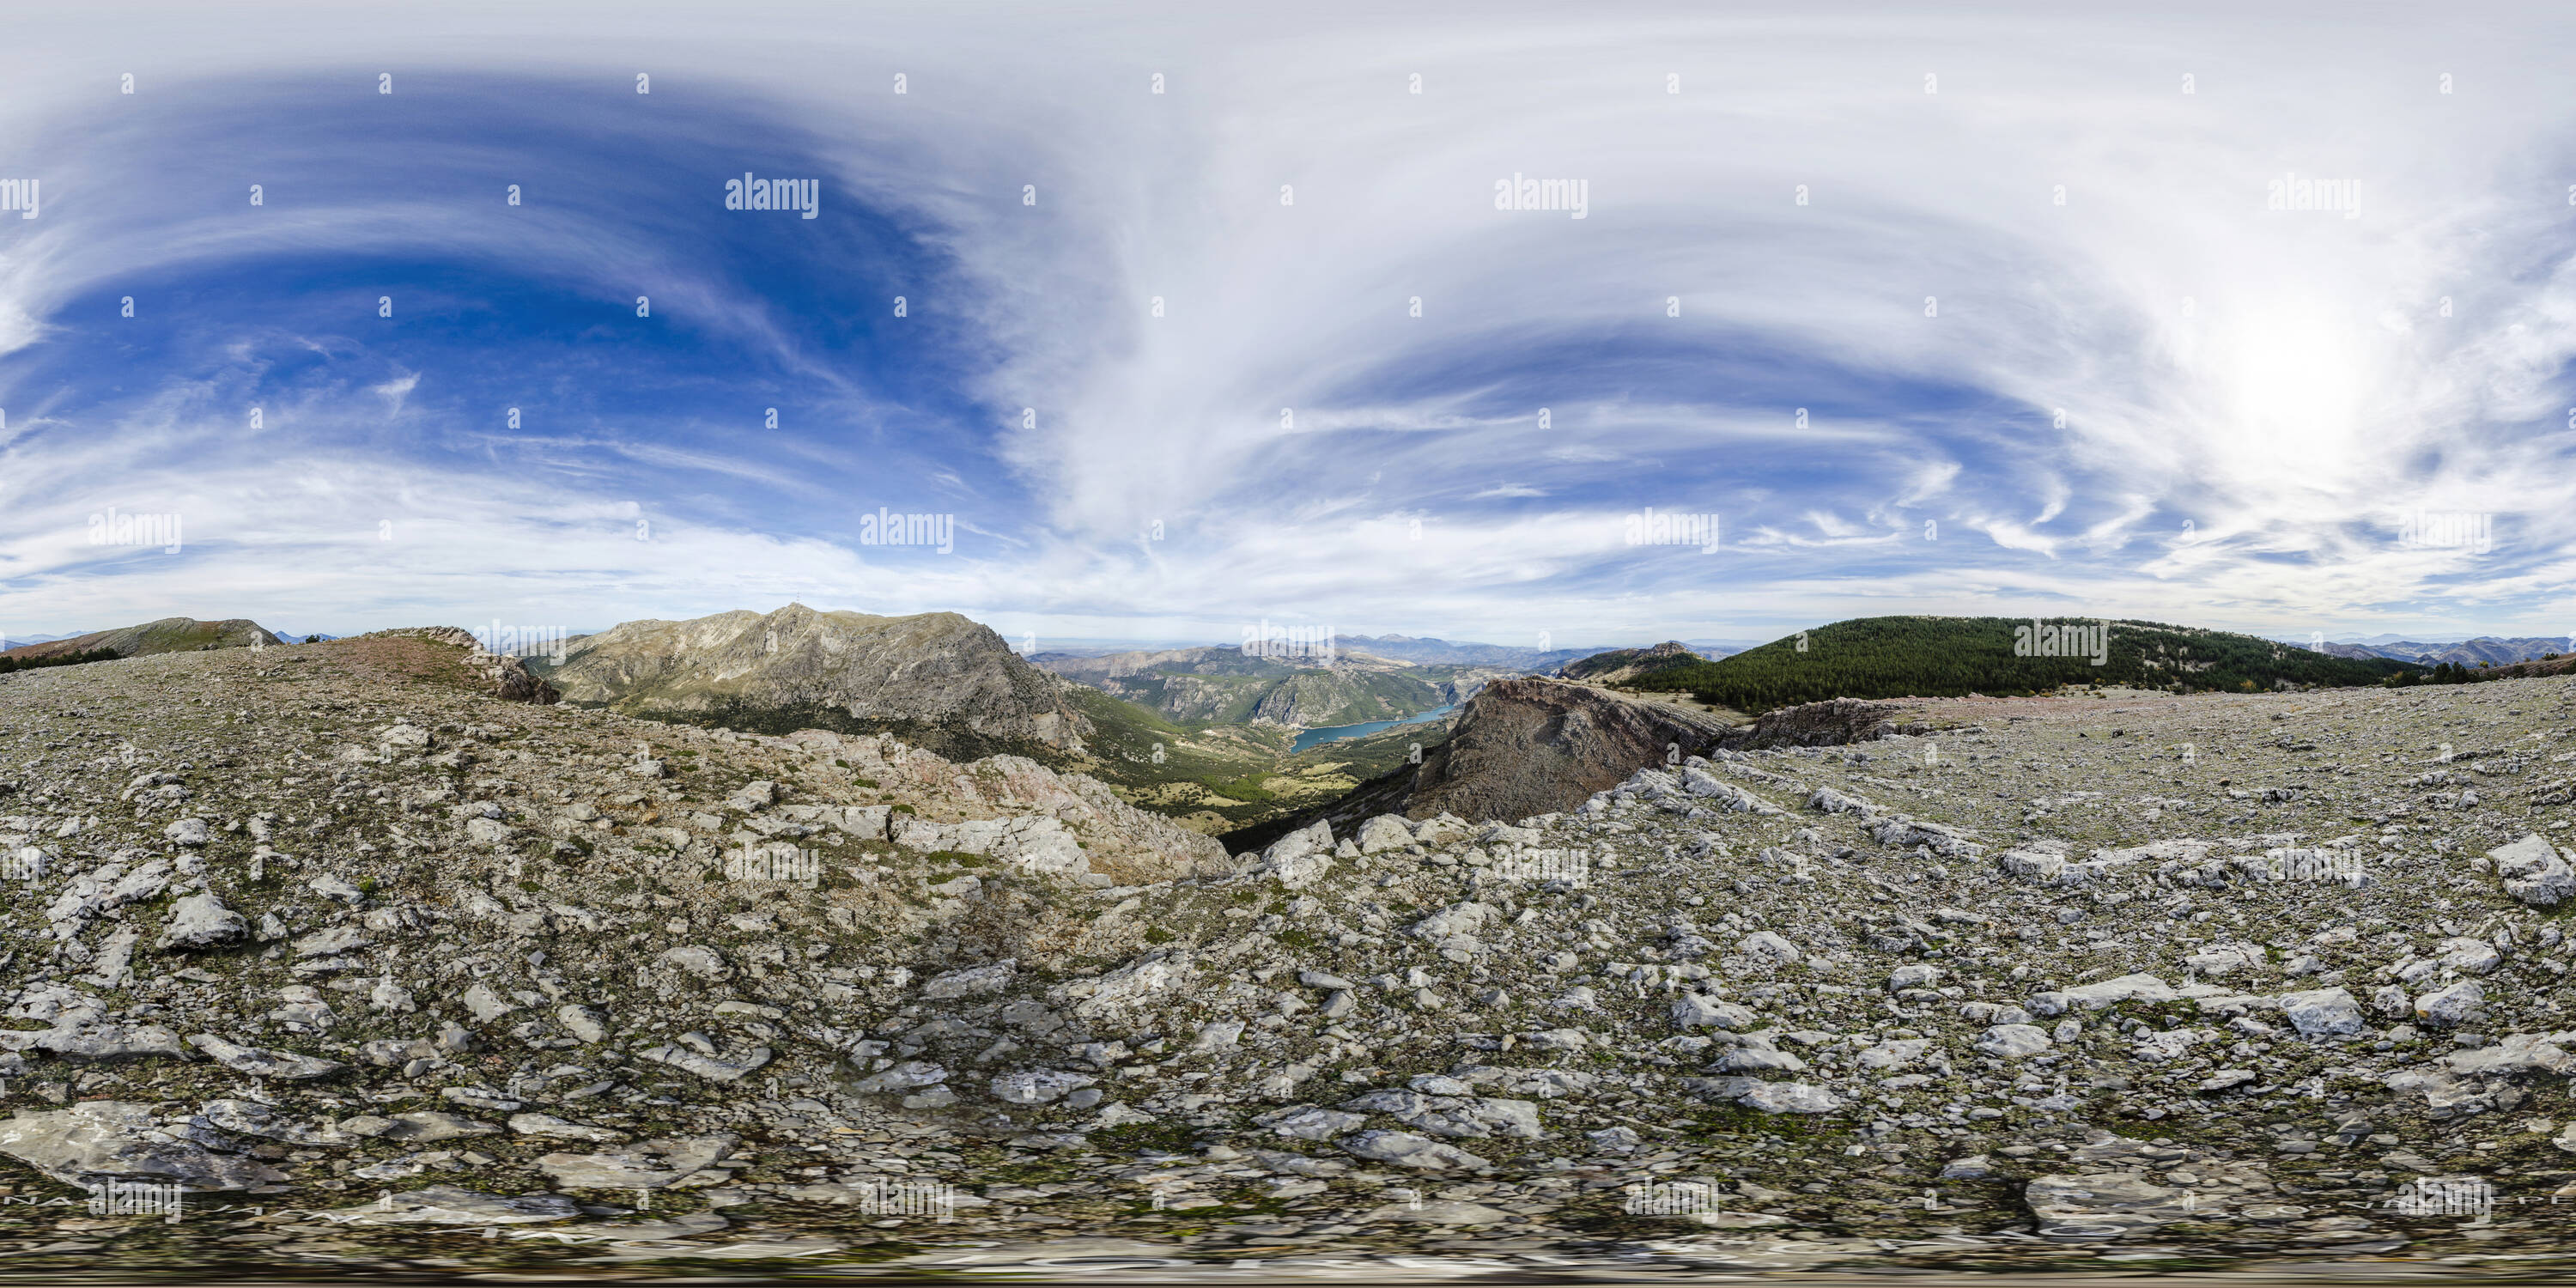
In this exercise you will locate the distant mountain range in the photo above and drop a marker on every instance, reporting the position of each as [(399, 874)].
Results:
[(1220, 685), (2486, 649), (1408, 648)]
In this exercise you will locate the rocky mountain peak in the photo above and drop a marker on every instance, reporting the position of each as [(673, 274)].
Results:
[(939, 679)]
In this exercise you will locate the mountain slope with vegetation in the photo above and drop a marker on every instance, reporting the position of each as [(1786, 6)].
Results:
[(1222, 686), (938, 680), (1890, 657), (168, 635), (1630, 666), (950, 685)]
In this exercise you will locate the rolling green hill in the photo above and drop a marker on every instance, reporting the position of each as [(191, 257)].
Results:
[(1890, 657)]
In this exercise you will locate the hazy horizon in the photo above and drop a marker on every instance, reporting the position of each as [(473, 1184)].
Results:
[(1046, 644)]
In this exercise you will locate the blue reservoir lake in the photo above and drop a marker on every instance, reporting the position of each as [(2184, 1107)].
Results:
[(1318, 737)]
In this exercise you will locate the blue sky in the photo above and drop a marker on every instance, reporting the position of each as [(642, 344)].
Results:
[(1852, 212)]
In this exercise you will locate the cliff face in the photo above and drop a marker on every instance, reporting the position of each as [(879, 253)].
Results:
[(1533, 746), (937, 679), (1523, 746), (1816, 724)]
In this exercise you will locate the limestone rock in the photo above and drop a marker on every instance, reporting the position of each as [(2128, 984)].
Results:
[(2534, 871), (1404, 1149), (200, 920), (109, 1139), (260, 1062)]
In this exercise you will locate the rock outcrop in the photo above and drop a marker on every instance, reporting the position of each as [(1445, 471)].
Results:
[(504, 676), (1532, 746), (1815, 724), (937, 680), (1521, 746)]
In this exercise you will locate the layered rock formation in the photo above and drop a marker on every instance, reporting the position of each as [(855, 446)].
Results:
[(1521, 746), (937, 680)]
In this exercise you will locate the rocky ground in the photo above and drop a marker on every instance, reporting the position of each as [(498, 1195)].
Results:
[(391, 973)]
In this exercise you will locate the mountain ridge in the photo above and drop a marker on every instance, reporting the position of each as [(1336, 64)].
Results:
[(1219, 684), (166, 635), (940, 680), (1935, 656)]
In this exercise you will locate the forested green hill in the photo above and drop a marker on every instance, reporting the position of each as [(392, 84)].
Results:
[(1890, 657)]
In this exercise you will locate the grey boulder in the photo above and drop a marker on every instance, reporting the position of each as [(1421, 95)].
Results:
[(101, 1139), (2457, 1004), (251, 1118), (2534, 871), (650, 1165), (260, 1062), (707, 1066), (2322, 1012), (200, 920), (448, 1205), (1700, 1011), (1404, 1149), (2012, 1041), (533, 1124)]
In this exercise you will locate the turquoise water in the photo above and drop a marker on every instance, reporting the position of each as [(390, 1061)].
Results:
[(1318, 737)]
